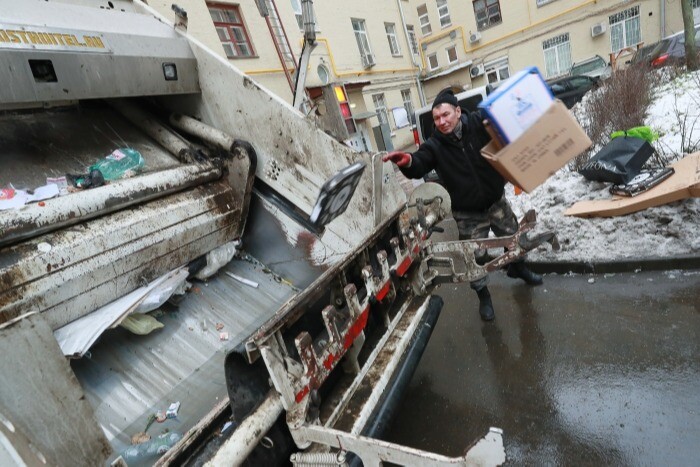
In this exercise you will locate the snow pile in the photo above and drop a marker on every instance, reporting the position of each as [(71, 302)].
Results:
[(669, 230)]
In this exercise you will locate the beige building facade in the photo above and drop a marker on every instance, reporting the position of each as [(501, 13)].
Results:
[(381, 59), (488, 40)]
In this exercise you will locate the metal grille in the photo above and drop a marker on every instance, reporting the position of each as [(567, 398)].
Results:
[(380, 107), (557, 55), (625, 29), (623, 15)]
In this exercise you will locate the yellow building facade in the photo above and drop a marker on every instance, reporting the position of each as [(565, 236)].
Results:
[(389, 57)]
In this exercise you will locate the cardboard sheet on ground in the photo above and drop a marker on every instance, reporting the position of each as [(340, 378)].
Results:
[(77, 337), (684, 183)]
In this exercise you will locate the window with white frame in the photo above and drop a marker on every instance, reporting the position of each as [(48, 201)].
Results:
[(497, 70), (390, 29), (423, 19), (358, 27), (451, 54), (296, 7), (432, 62), (412, 39), (380, 108), (625, 29), (487, 13), (408, 105), (557, 55), (231, 30), (443, 13)]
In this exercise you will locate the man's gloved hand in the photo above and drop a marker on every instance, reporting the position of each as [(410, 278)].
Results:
[(402, 159)]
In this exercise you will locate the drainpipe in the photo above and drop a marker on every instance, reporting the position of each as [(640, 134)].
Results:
[(663, 18), (419, 85)]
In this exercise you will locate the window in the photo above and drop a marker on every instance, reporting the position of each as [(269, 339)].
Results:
[(543, 2), (557, 55), (393, 41), (380, 107), (497, 70), (451, 54), (358, 26), (443, 13), (412, 38), (232, 32), (487, 13), (424, 21), (408, 105), (432, 62), (624, 29)]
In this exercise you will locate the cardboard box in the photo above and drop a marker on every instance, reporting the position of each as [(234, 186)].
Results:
[(541, 150), (684, 183), (517, 103)]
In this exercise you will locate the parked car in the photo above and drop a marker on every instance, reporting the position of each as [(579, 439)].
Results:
[(671, 50), (642, 57), (595, 67), (571, 89)]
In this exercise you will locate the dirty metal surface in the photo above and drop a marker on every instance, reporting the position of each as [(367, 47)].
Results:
[(39, 394), (94, 263), (583, 370), (52, 143), (129, 377)]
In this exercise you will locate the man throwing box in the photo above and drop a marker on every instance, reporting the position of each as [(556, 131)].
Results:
[(476, 189)]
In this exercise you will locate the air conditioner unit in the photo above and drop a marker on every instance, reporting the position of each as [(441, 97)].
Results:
[(476, 70), (474, 37), (368, 61), (597, 29)]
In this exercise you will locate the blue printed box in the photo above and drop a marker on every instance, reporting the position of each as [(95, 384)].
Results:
[(517, 103)]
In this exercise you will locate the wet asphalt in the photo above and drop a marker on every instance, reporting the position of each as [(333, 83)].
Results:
[(582, 370)]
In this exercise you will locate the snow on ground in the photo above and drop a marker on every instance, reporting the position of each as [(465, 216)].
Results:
[(669, 230)]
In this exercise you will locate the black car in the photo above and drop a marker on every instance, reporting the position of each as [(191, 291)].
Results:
[(671, 50), (571, 89)]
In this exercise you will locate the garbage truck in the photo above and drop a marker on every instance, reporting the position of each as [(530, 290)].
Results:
[(191, 271)]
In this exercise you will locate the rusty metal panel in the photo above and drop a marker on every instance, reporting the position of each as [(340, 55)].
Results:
[(72, 272), (39, 393)]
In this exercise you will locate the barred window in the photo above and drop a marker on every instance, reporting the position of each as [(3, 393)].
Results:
[(412, 38), (625, 29), (380, 107), (557, 55), (408, 105)]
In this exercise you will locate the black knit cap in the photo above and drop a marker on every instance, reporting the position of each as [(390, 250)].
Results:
[(446, 96)]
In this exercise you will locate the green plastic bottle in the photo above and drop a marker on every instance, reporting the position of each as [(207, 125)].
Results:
[(123, 162)]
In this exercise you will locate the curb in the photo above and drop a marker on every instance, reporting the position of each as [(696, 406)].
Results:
[(608, 267)]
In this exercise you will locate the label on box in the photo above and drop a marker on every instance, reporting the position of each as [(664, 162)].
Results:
[(544, 148)]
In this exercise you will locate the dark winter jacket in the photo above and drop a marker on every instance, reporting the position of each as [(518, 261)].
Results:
[(473, 184)]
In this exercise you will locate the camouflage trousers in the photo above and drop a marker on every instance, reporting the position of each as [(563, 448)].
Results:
[(499, 218)]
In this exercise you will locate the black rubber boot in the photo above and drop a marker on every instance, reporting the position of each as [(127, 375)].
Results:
[(485, 305), (520, 271)]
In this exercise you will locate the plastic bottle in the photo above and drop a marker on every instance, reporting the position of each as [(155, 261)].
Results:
[(123, 162), (155, 447)]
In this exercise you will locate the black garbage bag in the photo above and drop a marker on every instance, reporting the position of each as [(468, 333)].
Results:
[(619, 161)]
